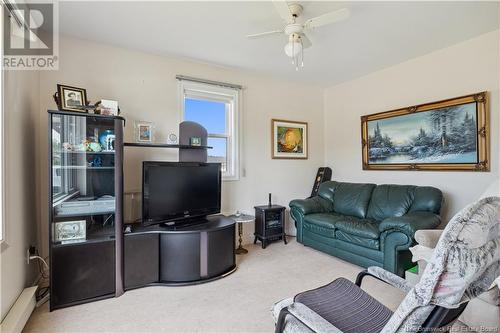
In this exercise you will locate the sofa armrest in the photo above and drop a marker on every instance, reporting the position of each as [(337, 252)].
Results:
[(410, 222), (428, 238), (311, 205)]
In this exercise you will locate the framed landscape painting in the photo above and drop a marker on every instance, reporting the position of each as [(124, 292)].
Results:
[(289, 139), (445, 135)]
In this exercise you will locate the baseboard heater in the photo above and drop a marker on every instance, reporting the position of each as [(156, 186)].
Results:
[(20, 312)]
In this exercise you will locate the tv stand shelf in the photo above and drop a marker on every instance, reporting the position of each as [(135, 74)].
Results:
[(164, 255)]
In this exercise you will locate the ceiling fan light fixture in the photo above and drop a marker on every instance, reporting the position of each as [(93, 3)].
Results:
[(292, 49), (296, 30)]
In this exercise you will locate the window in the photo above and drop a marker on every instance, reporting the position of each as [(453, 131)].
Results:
[(216, 109)]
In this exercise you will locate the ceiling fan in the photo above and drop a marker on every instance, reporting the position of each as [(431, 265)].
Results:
[(296, 32)]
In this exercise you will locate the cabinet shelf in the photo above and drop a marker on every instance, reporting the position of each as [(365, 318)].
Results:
[(96, 239), (63, 217), (160, 145), (82, 167), (74, 152)]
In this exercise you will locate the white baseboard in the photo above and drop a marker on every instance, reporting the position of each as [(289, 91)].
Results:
[(20, 312)]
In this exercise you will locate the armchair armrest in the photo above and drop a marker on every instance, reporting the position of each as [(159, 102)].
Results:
[(428, 238), (384, 276), (312, 205), (305, 316), (427, 241), (411, 222)]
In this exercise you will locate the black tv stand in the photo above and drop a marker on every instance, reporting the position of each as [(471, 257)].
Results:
[(186, 223), (185, 254)]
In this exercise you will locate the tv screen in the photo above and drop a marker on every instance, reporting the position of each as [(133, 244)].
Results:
[(178, 191)]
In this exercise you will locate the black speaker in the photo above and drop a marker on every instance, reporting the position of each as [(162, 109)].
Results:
[(324, 174)]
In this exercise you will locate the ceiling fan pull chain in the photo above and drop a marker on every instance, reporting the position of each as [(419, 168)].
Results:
[(301, 54)]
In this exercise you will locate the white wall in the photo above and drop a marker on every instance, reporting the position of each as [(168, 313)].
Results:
[(146, 88), (20, 113), (469, 67)]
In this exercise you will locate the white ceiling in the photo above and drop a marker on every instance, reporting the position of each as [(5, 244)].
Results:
[(378, 34)]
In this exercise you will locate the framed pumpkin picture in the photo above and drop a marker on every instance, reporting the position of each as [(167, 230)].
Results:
[(289, 139), (447, 135)]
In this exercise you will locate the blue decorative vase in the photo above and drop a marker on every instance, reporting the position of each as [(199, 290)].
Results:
[(107, 140)]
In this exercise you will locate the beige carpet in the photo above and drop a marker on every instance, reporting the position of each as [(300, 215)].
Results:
[(240, 302)]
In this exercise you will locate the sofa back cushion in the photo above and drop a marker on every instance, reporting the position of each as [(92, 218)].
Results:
[(326, 190), (348, 198), (397, 200), (428, 199), (390, 200)]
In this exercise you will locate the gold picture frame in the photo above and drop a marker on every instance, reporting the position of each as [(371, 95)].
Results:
[(448, 135), (289, 139)]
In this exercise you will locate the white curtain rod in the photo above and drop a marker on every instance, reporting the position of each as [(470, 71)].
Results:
[(217, 83)]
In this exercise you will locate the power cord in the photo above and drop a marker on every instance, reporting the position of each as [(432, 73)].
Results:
[(42, 294), (40, 258)]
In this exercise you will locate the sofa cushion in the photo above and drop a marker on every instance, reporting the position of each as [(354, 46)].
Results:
[(390, 201), (321, 224), (352, 199), (353, 239), (325, 220), (358, 227)]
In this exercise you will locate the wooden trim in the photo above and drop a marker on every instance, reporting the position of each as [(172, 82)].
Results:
[(483, 135), (273, 120)]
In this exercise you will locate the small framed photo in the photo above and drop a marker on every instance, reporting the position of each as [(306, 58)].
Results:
[(71, 98), (195, 141), (109, 107), (144, 132), (289, 139), (70, 231)]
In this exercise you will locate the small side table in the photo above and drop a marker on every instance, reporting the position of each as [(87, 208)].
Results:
[(240, 219), (269, 224)]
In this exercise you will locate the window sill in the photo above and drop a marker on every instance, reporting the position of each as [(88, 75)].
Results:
[(230, 178)]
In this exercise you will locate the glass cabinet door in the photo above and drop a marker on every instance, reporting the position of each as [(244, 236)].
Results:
[(82, 178)]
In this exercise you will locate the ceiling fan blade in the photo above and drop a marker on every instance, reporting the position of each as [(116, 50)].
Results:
[(306, 42), (283, 10), (327, 18), (263, 34)]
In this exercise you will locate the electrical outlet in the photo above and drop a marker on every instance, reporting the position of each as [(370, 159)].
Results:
[(31, 251)]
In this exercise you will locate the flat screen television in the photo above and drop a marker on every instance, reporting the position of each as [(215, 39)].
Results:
[(176, 192)]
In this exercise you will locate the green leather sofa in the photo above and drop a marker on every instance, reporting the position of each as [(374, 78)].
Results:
[(367, 224)]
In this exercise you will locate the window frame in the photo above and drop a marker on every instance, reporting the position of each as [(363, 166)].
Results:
[(2, 141), (229, 96)]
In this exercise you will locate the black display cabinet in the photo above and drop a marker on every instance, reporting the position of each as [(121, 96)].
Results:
[(269, 224), (85, 207)]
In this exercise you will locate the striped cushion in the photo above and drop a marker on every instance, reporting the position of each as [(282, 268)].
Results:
[(347, 307)]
